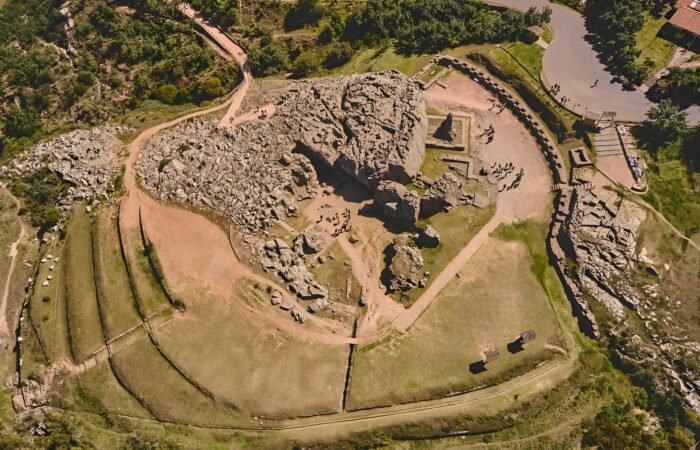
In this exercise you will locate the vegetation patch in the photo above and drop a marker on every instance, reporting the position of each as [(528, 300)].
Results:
[(474, 312), (113, 286), (81, 296)]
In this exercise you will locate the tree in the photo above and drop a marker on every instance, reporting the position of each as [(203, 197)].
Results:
[(667, 121), (21, 122), (681, 86), (338, 55), (306, 12), (268, 58), (167, 94), (306, 64), (212, 88)]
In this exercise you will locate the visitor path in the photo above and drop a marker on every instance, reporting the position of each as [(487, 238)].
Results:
[(572, 63), (4, 329)]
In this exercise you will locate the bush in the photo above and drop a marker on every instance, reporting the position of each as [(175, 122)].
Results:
[(41, 191), (306, 64), (22, 122), (167, 94), (338, 55), (268, 58)]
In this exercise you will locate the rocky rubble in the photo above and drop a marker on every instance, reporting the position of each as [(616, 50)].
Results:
[(289, 263), (370, 126), (404, 273), (88, 160), (602, 236)]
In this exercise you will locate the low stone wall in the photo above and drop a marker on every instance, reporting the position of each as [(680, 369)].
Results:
[(565, 198)]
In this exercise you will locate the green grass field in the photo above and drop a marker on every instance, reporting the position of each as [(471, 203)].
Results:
[(478, 310), (47, 306), (81, 296), (114, 291), (456, 229), (246, 360), (379, 59), (657, 49)]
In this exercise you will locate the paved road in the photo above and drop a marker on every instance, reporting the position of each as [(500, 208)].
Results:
[(571, 62)]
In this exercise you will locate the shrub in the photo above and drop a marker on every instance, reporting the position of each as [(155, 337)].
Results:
[(22, 122), (338, 55)]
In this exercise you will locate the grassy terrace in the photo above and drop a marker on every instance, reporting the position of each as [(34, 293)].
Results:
[(114, 291), (168, 396), (149, 295), (9, 231), (83, 313), (474, 312), (248, 361), (47, 306)]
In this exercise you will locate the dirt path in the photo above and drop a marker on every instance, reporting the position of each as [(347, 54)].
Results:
[(406, 319), (4, 329), (341, 424)]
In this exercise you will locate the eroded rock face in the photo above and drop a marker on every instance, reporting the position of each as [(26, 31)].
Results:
[(603, 236), (370, 126), (429, 237), (443, 195), (404, 270), (397, 202)]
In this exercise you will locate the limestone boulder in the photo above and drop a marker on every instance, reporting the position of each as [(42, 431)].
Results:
[(443, 195), (397, 202)]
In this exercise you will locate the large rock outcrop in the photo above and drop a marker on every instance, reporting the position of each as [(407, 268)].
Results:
[(397, 202), (369, 126), (443, 195), (403, 272), (372, 126)]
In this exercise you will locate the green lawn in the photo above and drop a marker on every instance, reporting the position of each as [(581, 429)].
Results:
[(478, 310), (657, 49), (529, 55)]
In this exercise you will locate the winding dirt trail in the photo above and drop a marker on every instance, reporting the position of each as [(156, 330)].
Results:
[(4, 329)]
